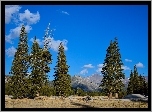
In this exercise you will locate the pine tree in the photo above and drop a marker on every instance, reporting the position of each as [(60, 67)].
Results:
[(19, 67), (112, 71), (40, 59), (62, 80), (143, 87), (136, 83), (130, 88), (37, 77), (46, 55)]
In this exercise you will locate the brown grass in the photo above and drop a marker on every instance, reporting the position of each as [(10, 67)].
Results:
[(77, 102)]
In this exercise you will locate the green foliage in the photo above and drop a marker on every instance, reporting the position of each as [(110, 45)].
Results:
[(8, 89), (112, 71), (122, 94), (130, 88), (137, 83), (62, 80), (38, 61), (20, 67), (37, 75), (73, 91), (47, 90), (80, 92), (94, 93)]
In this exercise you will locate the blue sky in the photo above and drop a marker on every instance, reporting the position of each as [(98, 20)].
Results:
[(86, 32)]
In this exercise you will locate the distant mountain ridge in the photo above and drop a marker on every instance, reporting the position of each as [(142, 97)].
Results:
[(90, 83)]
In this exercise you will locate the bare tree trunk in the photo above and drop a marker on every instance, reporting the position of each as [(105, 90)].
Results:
[(37, 95), (110, 95), (116, 95)]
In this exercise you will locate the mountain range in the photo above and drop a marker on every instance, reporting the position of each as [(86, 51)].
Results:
[(89, 83)]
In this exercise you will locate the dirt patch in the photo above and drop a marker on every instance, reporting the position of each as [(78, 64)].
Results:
[(73, 102)]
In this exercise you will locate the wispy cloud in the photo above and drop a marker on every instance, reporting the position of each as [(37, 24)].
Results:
[(27, 18), (83, 72), (100, 66), (125, 67), (127, 60), (64, 12), (10, 12), (37, 40), (99, 70), (88, 66), (139, 65), (14, 33), (10, 52), (52, 43)]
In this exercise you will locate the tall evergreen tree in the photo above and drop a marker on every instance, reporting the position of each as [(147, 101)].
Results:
[(46, 55), (19, 67), (62, 80), (143, 85), (40, 59), (37, 76), (137, 83), (130, 88), (145, 89), (112, 71)]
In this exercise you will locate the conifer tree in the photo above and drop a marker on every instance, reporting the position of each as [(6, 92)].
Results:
[(19, 67), (46, 58), (37, 76), (136, 83), (145, 89), (130, 88), (143, 86), (46, 55), (112, 71), (62, 80), (40, 60)]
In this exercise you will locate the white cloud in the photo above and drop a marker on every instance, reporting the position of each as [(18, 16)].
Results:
[(99, 70), (139, 65), (10, 12), (125, 68), (127, 60), (54, 44), (64, 12), (14, 33), (29, 18), (88, 66), (10, 52), (38, 41), (100, 66), (83, 72)]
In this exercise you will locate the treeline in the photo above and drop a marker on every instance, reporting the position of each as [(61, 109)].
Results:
[(113, 75), (137, 83), (23, 85)]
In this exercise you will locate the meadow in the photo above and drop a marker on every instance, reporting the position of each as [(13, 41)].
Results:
[(73, 102)]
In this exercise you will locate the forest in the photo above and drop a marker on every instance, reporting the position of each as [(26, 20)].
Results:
[(23, 85)]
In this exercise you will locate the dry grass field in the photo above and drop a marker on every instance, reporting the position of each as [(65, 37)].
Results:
[(74, 102)]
